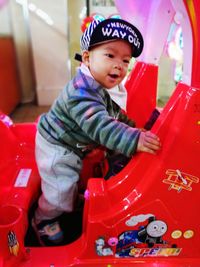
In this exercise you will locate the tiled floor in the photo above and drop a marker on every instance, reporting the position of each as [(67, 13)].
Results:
[(27, 113)]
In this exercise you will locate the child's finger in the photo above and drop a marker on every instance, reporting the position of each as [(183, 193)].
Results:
[(152, 146), (148, 150), (151, 136)]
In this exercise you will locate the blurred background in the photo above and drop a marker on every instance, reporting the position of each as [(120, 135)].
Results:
[(38, 41)]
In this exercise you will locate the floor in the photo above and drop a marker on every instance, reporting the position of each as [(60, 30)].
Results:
[(27, 112)]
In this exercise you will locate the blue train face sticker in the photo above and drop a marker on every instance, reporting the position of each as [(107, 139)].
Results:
[(153, 233), (148, 236), (144, 241)]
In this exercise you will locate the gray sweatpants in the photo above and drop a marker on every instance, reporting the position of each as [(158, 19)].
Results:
[(59, 168)]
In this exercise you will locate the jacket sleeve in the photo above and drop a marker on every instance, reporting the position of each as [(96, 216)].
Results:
[(87, 108), (122, 116)]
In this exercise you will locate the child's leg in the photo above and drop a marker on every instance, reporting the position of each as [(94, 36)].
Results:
[(59, 169)]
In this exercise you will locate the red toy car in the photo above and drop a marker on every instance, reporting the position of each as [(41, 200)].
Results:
[(147, 214)]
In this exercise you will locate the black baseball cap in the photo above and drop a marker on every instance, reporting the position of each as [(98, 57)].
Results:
[(102, 31)]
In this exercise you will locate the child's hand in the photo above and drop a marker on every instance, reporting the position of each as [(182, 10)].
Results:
[(148, 142)]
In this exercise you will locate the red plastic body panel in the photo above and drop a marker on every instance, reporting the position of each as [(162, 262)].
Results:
[(147, 215), (141, 86)]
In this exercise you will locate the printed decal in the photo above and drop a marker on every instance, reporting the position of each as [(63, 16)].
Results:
[(188, 234), (13, 243), (103, 248), (147, 239), (179, 180), (154, 252), (23, 178), (176, 234), (134, 220)]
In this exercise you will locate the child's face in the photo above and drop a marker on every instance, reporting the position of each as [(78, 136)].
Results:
[(108, 63)]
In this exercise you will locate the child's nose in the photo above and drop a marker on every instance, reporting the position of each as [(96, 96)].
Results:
[(118, 65)]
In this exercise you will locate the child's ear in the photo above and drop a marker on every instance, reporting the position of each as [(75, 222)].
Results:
[(85, 58)]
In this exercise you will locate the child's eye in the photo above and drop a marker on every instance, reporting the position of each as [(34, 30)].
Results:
[(126, 61), (109, 55)]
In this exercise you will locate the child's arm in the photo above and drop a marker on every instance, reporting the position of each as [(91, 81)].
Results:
[(122, 116)]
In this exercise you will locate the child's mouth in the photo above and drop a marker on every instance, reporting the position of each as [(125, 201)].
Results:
[(114, 76)]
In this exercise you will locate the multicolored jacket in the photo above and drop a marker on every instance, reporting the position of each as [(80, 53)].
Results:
[(84, 117)]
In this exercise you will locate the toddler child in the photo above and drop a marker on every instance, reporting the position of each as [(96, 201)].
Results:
[(84, 117)]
